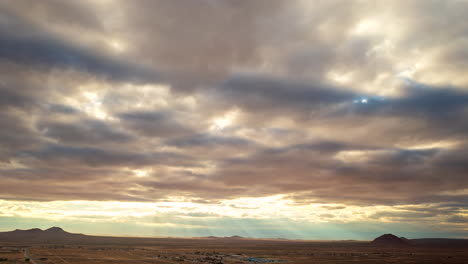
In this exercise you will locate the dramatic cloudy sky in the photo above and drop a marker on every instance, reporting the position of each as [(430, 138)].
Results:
[(317, 119)]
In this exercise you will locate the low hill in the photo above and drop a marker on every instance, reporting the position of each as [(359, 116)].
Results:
[(390, 240), (38, 235)]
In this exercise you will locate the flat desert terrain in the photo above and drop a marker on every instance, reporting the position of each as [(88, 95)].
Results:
[(226, 250)]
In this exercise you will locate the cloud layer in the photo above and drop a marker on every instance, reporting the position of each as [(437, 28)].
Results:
[(357, 103)]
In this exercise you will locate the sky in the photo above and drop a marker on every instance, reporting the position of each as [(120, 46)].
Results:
[(300, 119)]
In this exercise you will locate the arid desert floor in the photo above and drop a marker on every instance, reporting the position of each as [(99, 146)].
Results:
[(226, 251)]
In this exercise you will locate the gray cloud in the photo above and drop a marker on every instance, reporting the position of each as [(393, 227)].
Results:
[(17, 136), (52, 52), (204, 140), (100, 157), (269, 94), (458, 219), (33, 45), (11, 99), (55, 12), (62, 109), (83, 131), (154, 124)]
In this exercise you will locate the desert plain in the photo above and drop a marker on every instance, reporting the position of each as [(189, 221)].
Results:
[(55, 246)]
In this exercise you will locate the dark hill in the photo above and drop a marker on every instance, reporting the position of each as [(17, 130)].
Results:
[(56, 230), (39, 235), (390, 240)]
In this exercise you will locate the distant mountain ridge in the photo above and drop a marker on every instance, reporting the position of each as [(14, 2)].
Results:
[(39, 235), (54, 229), (56, 235)]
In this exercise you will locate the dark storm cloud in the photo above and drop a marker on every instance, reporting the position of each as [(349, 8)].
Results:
[(154, 124), (104, 190), (36, 46), (9, 98), (51, 52), (263, 94), (87, 156), (206, 140), (443, 110), (453, 160), (16, 135), (386, 176), (63, 109), (255, 93), (404, 157), (83, 131), (96, 157), (420, 101), (418, 107)]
